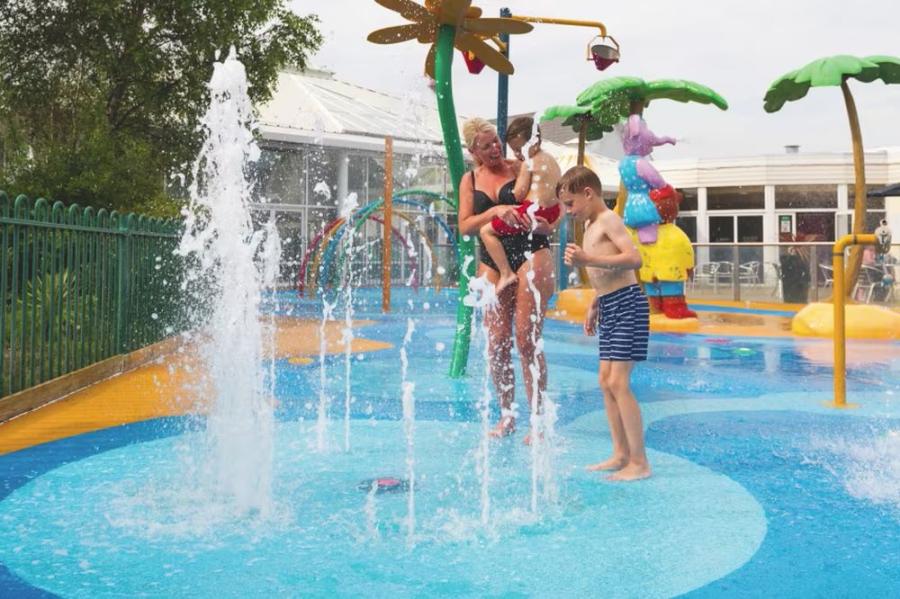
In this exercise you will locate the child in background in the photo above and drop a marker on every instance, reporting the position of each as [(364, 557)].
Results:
[(535, 184)]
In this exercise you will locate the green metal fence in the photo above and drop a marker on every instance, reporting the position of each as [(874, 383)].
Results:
[(78, 286)]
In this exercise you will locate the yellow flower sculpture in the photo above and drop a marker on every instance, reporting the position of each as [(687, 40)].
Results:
[(471, 30)]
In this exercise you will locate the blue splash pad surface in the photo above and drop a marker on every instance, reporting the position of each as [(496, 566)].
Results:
[(733, 497), (126, 522)]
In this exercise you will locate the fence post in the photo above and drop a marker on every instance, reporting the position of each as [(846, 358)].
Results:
[(736, 272), (123, 242), (814, 272)]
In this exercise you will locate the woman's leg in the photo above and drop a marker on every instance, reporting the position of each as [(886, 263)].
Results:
[(499, 325), (529, 321)]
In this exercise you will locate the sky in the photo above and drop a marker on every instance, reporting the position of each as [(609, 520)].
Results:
[(738, 48)]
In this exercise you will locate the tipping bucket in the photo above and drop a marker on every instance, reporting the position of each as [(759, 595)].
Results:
[(473, 63), (603, 54)]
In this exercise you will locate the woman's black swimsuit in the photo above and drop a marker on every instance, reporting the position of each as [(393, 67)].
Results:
[(515, 246)]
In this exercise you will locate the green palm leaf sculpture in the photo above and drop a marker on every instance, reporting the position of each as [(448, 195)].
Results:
[(836, 71), (610, 101)]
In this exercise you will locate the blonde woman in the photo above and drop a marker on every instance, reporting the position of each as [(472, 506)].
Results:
[(485, 193)]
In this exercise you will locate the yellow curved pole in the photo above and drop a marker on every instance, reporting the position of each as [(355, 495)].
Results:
[(840, 332), (555, 21)]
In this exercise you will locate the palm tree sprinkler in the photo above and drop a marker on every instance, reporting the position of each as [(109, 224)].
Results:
[(836, 71), (446, 24)]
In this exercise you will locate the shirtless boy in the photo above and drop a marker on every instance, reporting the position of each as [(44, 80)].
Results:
[(622, 311)]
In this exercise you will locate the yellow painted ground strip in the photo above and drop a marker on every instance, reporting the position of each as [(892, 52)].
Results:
[(167, 388)]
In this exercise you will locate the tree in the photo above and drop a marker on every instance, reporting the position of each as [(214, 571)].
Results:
[(100, 99), (836, 71)]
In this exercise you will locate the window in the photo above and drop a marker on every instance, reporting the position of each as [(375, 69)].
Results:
[(318, 219), (357, 177), (721, 229), (794, 197), (688, 200), (871, 203), (746, 197), (688, 224), (815, 226), (750, 229), (280, 176)]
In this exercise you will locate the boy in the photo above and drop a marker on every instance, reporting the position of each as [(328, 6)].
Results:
[(535, 184), (623, 312)]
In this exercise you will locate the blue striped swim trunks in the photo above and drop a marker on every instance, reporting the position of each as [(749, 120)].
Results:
[(624, 319)]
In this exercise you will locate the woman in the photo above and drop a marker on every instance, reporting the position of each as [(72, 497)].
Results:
[(484, 193)]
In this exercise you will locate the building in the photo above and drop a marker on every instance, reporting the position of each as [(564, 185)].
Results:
[(323, 139), (769, 199)]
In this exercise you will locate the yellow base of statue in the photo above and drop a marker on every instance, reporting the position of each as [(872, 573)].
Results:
[(660, 323), (863, 321)]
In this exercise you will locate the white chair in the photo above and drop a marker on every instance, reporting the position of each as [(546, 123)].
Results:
[(869, 278), (827, 275), (705, 274), (724, 274), (749, 272), (776, 269)]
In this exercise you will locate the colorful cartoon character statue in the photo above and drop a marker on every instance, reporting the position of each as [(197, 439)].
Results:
[(650, 211)]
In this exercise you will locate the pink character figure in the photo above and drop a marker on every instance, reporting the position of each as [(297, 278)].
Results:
[(650, 211), (639, 178)]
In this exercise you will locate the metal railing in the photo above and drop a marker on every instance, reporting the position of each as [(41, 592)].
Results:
[(78, 286), (787, 272)]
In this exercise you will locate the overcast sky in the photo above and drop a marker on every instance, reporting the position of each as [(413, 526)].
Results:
[(736, 47)]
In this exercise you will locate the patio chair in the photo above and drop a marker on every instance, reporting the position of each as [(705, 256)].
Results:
[(705, 274), (776, 269), (870, 278), (724, 274), (827, 275), (749, 272)]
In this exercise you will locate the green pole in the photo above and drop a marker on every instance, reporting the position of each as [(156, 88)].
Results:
[(466, 259)]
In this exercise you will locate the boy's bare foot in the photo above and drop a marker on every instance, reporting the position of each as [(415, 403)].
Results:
[(505, 281), (631, 472), (504, 428), (613, 463)]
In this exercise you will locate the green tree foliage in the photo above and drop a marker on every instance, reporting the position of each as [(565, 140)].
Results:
[(99, 99)]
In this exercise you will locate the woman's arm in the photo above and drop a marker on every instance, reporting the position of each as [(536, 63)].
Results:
[(471, 223)]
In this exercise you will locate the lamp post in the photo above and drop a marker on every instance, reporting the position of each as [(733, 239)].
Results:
[(601, 62), (601, 55), (503, 88)]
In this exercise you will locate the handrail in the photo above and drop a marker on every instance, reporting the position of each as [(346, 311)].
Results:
[(840, 332)]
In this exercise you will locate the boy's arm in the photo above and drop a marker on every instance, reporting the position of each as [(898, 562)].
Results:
[(523, 182), (545, 177)]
